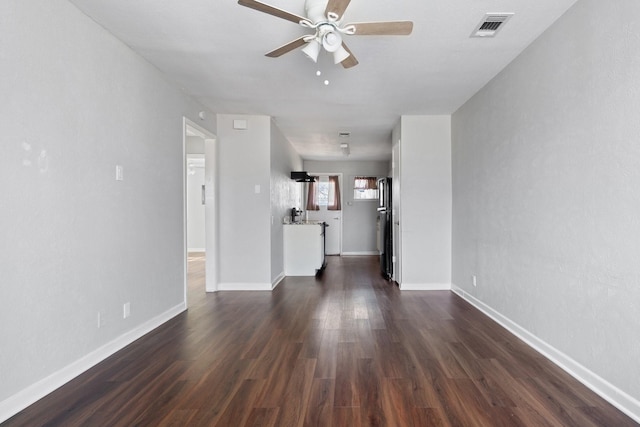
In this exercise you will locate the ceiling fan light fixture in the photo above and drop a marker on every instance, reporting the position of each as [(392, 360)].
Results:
[(312, 50), (325, 17), (340, 55), (332, 41)]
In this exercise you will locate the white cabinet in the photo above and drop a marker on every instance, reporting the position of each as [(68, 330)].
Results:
[(303, 249)]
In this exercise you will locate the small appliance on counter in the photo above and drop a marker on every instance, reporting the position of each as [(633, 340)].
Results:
[(295, 215)]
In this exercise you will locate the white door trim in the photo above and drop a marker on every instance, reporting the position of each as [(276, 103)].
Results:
[(211, 203)]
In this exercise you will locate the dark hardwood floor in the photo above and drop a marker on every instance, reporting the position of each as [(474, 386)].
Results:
[(346, 349)]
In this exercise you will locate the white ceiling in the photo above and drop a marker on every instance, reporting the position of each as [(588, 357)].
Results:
[(214, 50)]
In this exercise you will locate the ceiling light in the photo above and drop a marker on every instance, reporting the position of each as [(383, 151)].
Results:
[(312, 50), (331, 41)]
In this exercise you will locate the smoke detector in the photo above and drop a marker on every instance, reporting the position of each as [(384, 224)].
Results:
[(490, 24)]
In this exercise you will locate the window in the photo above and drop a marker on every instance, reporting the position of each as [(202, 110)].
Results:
[(325, 191), (365, 188)]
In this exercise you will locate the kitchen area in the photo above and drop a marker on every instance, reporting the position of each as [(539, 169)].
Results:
[(304, 245), (341, 222), (305, 240)]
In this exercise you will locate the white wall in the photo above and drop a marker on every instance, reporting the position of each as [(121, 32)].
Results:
[(359, 217), (245, 215), (425, 197), (195, 209), (285, 194), (396, 201), (75, 103), (196, 230), (194, 145), (546, 172)]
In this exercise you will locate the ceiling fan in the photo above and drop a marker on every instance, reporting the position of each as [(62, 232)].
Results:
[(325, 17)]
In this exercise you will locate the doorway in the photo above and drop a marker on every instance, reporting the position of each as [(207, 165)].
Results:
[(333, 217), (200, 195)]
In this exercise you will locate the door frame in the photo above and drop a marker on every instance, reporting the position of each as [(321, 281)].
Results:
[(396, 211), (211, 204)]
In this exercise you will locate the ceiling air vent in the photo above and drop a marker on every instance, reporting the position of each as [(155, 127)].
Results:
[(491, 24)]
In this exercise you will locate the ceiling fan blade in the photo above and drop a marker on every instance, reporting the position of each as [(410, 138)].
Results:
[(271, 10), (287, 48), (391, 28), (337, 6), (351, 60)]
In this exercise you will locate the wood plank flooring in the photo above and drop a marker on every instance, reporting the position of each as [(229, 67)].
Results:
[(345, 349)]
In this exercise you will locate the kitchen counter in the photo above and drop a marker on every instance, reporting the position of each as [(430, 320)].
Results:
[(306, 223), (303, 248)]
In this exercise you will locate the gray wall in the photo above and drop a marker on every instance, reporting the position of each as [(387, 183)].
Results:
[(76, 102), (251, 243), (245, 220), (285, 194), (424, 195), (546, 171), (359, 217)]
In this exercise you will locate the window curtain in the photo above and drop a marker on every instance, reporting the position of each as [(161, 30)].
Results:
[(365, 183), (312, 195), (334, 194)]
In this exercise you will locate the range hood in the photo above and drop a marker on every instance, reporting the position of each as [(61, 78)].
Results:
[(302, 177)]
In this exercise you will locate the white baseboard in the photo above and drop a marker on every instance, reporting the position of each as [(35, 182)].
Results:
[(425, 286), (196, 250), (237, 286), (277, 280), (618, 398), (362, 253), (28, 396)]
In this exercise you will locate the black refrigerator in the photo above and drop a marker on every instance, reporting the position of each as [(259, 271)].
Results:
[(386, 224)]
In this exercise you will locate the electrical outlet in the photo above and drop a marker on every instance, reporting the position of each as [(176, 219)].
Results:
[(119, 173), (126, 310), (475, 280)]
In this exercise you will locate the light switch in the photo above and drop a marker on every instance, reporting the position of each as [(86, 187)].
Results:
[(119, 173), (257, 189)]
